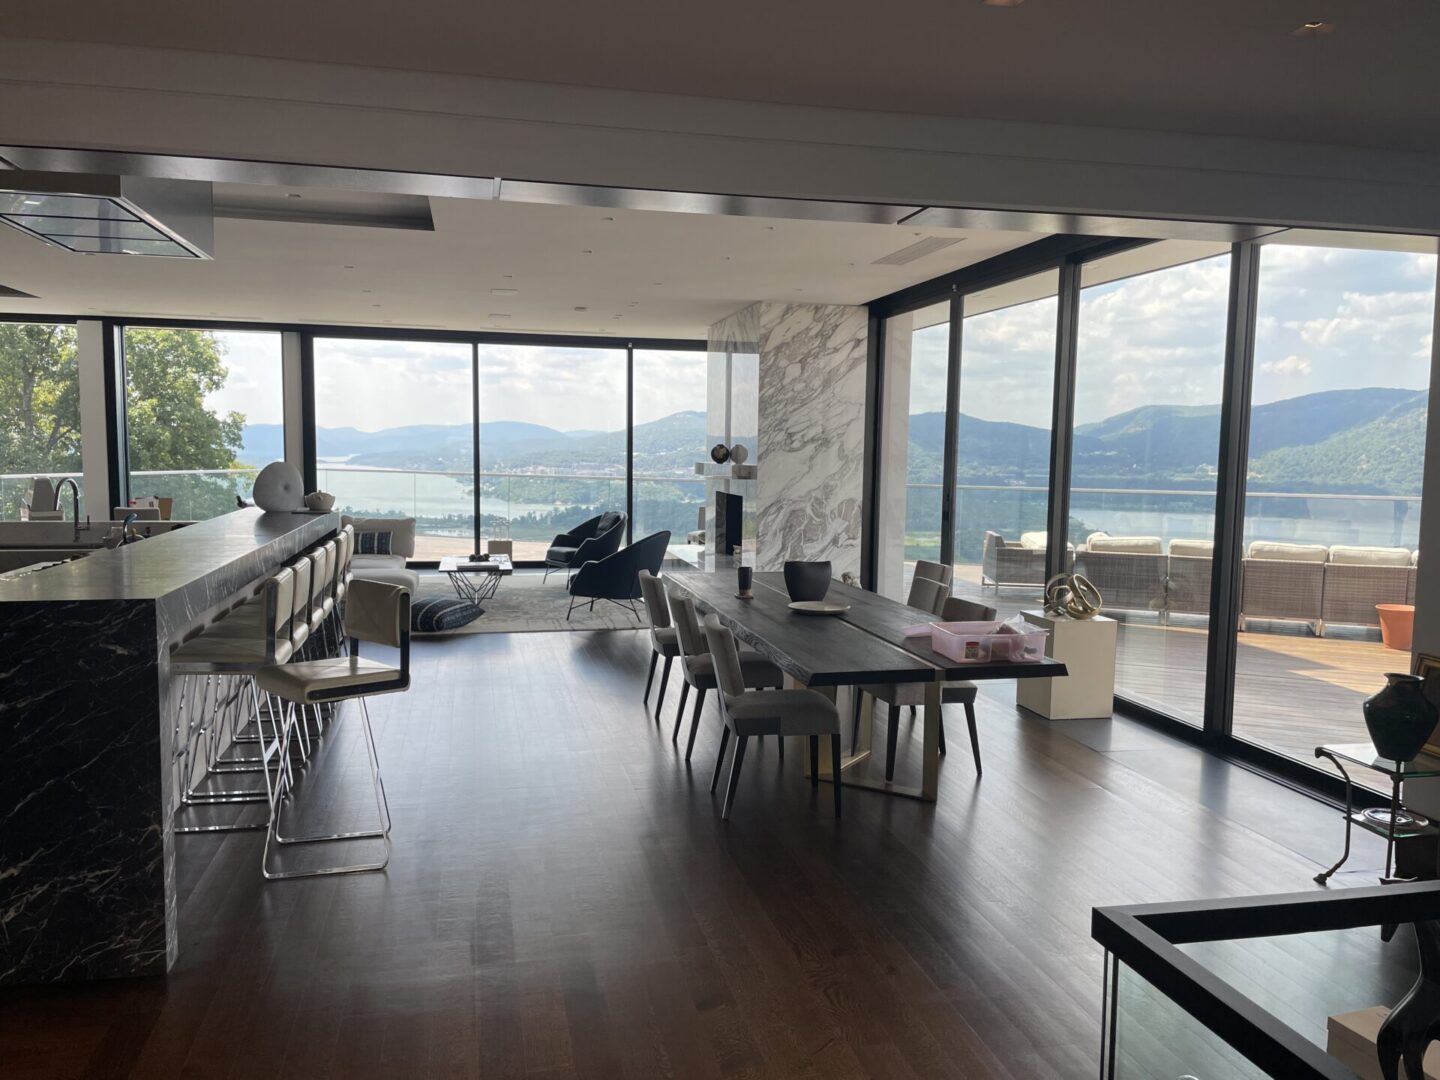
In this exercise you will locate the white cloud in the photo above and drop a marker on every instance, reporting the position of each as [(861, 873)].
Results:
[(1291, 365)]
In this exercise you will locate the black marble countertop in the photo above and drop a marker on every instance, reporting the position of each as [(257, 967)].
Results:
[(161, 565)]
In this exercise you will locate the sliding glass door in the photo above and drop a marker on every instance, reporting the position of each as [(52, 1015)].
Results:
[(394, 435), (1338, 413), (1149, 376), (1002, 454), (204, 411)]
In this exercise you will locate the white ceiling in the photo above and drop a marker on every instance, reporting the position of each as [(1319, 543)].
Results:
[(1225, 67), (637, 273)]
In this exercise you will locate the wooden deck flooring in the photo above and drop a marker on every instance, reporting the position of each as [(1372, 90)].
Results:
[(563, 900)]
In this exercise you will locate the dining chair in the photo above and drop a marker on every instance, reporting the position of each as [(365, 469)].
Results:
[(662, 634), (955, 692), (699, 668), (930, 587), (935, 571), (749, 713)]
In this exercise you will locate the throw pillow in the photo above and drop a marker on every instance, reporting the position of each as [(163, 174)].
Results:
[(373, 543)]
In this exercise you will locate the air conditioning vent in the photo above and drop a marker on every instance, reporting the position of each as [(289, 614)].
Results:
[(918, 250), (110, 215)]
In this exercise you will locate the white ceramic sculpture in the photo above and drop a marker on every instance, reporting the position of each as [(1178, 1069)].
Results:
[(279, 488)]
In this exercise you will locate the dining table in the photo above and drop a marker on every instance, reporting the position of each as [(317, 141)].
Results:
[(872, 641)]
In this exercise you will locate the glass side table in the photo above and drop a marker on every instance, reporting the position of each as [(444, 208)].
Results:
[(1363, 755)]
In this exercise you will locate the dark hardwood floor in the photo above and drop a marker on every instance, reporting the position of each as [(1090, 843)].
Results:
[(564, 901)]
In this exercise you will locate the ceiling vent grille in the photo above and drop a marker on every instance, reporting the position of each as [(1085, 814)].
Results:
[(918, 250)]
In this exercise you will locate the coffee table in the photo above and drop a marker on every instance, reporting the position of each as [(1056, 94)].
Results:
[(476, 579)]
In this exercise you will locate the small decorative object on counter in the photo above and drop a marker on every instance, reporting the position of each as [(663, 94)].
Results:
[(320, 501), (719, 453), (279, 488), (1073, 595), (1400, 717), (738, 454), (807, 580)]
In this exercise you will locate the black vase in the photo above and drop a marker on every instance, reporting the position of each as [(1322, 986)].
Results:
[(1400, 717), (807, 580)]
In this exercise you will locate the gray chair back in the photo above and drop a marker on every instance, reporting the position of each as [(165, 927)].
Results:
[(935, 571), (727, 658), (958, 609), (927, 594), (688, 634), (654, 593)]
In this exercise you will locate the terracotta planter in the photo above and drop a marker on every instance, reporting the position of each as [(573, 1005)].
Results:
[(1397, 625)]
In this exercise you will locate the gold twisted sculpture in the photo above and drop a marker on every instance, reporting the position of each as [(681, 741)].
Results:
[(1073, 595)]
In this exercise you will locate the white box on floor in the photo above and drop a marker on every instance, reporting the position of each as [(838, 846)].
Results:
[(1351, 1041), (1087, 648)]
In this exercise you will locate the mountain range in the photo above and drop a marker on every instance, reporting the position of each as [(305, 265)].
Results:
[(1357, 441)]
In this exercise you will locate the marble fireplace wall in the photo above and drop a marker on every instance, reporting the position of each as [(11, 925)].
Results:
[(809, 402)]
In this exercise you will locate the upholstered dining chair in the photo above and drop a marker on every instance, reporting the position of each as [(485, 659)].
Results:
[(662, 634), (749, 713), (956, 692), (698, 667), (930, 586)]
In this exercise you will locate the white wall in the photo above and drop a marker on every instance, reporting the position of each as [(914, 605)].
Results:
[(184, 103)]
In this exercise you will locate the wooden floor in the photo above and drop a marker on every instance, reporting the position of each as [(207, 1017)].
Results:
[(563, 900)]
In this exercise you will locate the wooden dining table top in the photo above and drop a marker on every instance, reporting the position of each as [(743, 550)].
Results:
[(866, 644)]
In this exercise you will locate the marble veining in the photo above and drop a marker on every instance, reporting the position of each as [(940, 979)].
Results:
[(87, 853), (811, 434)]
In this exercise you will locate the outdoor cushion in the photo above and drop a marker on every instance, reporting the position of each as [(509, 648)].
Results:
[(1270, 549), (1035, 541), (1202, 548), (1370, 556), (437, 614), (1134, 545)]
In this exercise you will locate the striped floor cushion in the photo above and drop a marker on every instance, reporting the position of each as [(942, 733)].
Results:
[(439, 614)]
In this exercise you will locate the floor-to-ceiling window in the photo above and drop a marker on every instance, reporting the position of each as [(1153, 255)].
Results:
[(1331, 531), (1150, 358), (669, 438), (552, 440), (39, 410), (394, 435), (1002, 461), (204, 410)]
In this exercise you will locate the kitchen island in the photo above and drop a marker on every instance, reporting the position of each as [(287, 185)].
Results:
[(87, 846)]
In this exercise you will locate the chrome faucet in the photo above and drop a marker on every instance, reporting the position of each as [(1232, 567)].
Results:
[(74, 504)]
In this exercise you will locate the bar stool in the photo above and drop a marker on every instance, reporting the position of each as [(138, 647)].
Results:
[(767, 712), (377, 613), (698, 667), (235, 658), (662, 635)]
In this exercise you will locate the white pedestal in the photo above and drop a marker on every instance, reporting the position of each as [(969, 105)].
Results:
[(1087, 648)]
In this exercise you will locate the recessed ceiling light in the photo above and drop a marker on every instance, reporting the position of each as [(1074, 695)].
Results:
[(615, 316), (347, 266), (503, 292), (367, 292), (657, 283), (498, 315), (1314, 28), (607, 219), (1003, 3), (374, 305), (507, 277), (587, 251), (580, 308), (294, 195)]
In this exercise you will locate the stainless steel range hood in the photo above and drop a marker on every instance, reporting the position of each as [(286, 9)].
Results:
[(111, 215)]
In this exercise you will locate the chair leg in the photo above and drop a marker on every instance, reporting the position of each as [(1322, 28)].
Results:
[(695, 722), (974, 735), (835, 770), (940, 728), (664, 682), (859, 696), (814, 760), (734, 776), (680, 712), (650, 679), (720, 758), (781, 740), (890, 739)]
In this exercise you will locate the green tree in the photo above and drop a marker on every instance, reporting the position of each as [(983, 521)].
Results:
[(169, 373)]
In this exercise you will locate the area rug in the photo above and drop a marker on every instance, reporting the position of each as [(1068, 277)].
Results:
[(527, 603)]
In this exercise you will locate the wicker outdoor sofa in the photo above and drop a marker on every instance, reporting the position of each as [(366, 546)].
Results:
[(1306, 583)]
